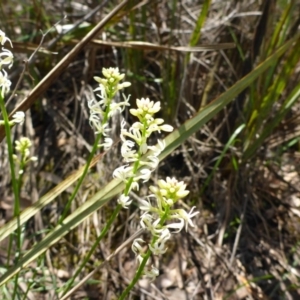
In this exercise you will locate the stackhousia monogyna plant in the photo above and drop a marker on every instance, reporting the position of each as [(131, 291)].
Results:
[(140, 158)]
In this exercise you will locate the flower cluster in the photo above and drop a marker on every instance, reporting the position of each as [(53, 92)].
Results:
[(160, 219), (6, 60), (23, 147), (135, 148), (17, 118), (102, 110)]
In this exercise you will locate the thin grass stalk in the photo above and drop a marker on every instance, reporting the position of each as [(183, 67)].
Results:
[(146, 257), (137, 276), (288, 103), (277, 40), (94, 149), (195, 37), (15, 186), (95, 245), (169, 72), (173, 141), (280, 29), (80, 181), (237, 44), (230, 142), (109, 258), (28, 213), (274, 93), (246, 284), (31, 283)]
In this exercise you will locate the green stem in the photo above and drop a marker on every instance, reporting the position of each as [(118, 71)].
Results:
[(137, 276), (99, 238), (137, 163), (94, 149), (108, 224), (140, 270), (14, 186), (75, 191)]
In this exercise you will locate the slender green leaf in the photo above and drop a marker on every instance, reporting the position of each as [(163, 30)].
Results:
[(230, 142), (257, 123), (29, 212), (289, 102), (115, 186)]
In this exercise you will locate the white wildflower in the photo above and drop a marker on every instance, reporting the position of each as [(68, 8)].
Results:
[(4, 82), (6, 58), (136, 247), (123, 172), (124, 201), (159, 247), (186, 217), (18, 117), (151, 274), (153, 227), (4, 39), (107, 143)]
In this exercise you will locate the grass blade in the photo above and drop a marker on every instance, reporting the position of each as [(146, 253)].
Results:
[(173, 141)]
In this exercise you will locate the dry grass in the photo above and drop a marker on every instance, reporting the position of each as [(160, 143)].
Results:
[(246, 241)]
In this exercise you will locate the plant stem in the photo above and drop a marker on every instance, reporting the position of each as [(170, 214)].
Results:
[(140, 270), (94, 149), (75, 191), (15, 190), (99, 238), (137, 276)]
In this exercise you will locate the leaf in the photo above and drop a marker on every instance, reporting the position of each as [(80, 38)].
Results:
[(29, 212), (174, 140)]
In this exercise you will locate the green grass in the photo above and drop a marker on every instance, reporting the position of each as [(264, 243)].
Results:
[(226, 106)]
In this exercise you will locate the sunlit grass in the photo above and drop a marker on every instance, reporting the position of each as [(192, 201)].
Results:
[(234, 121)]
